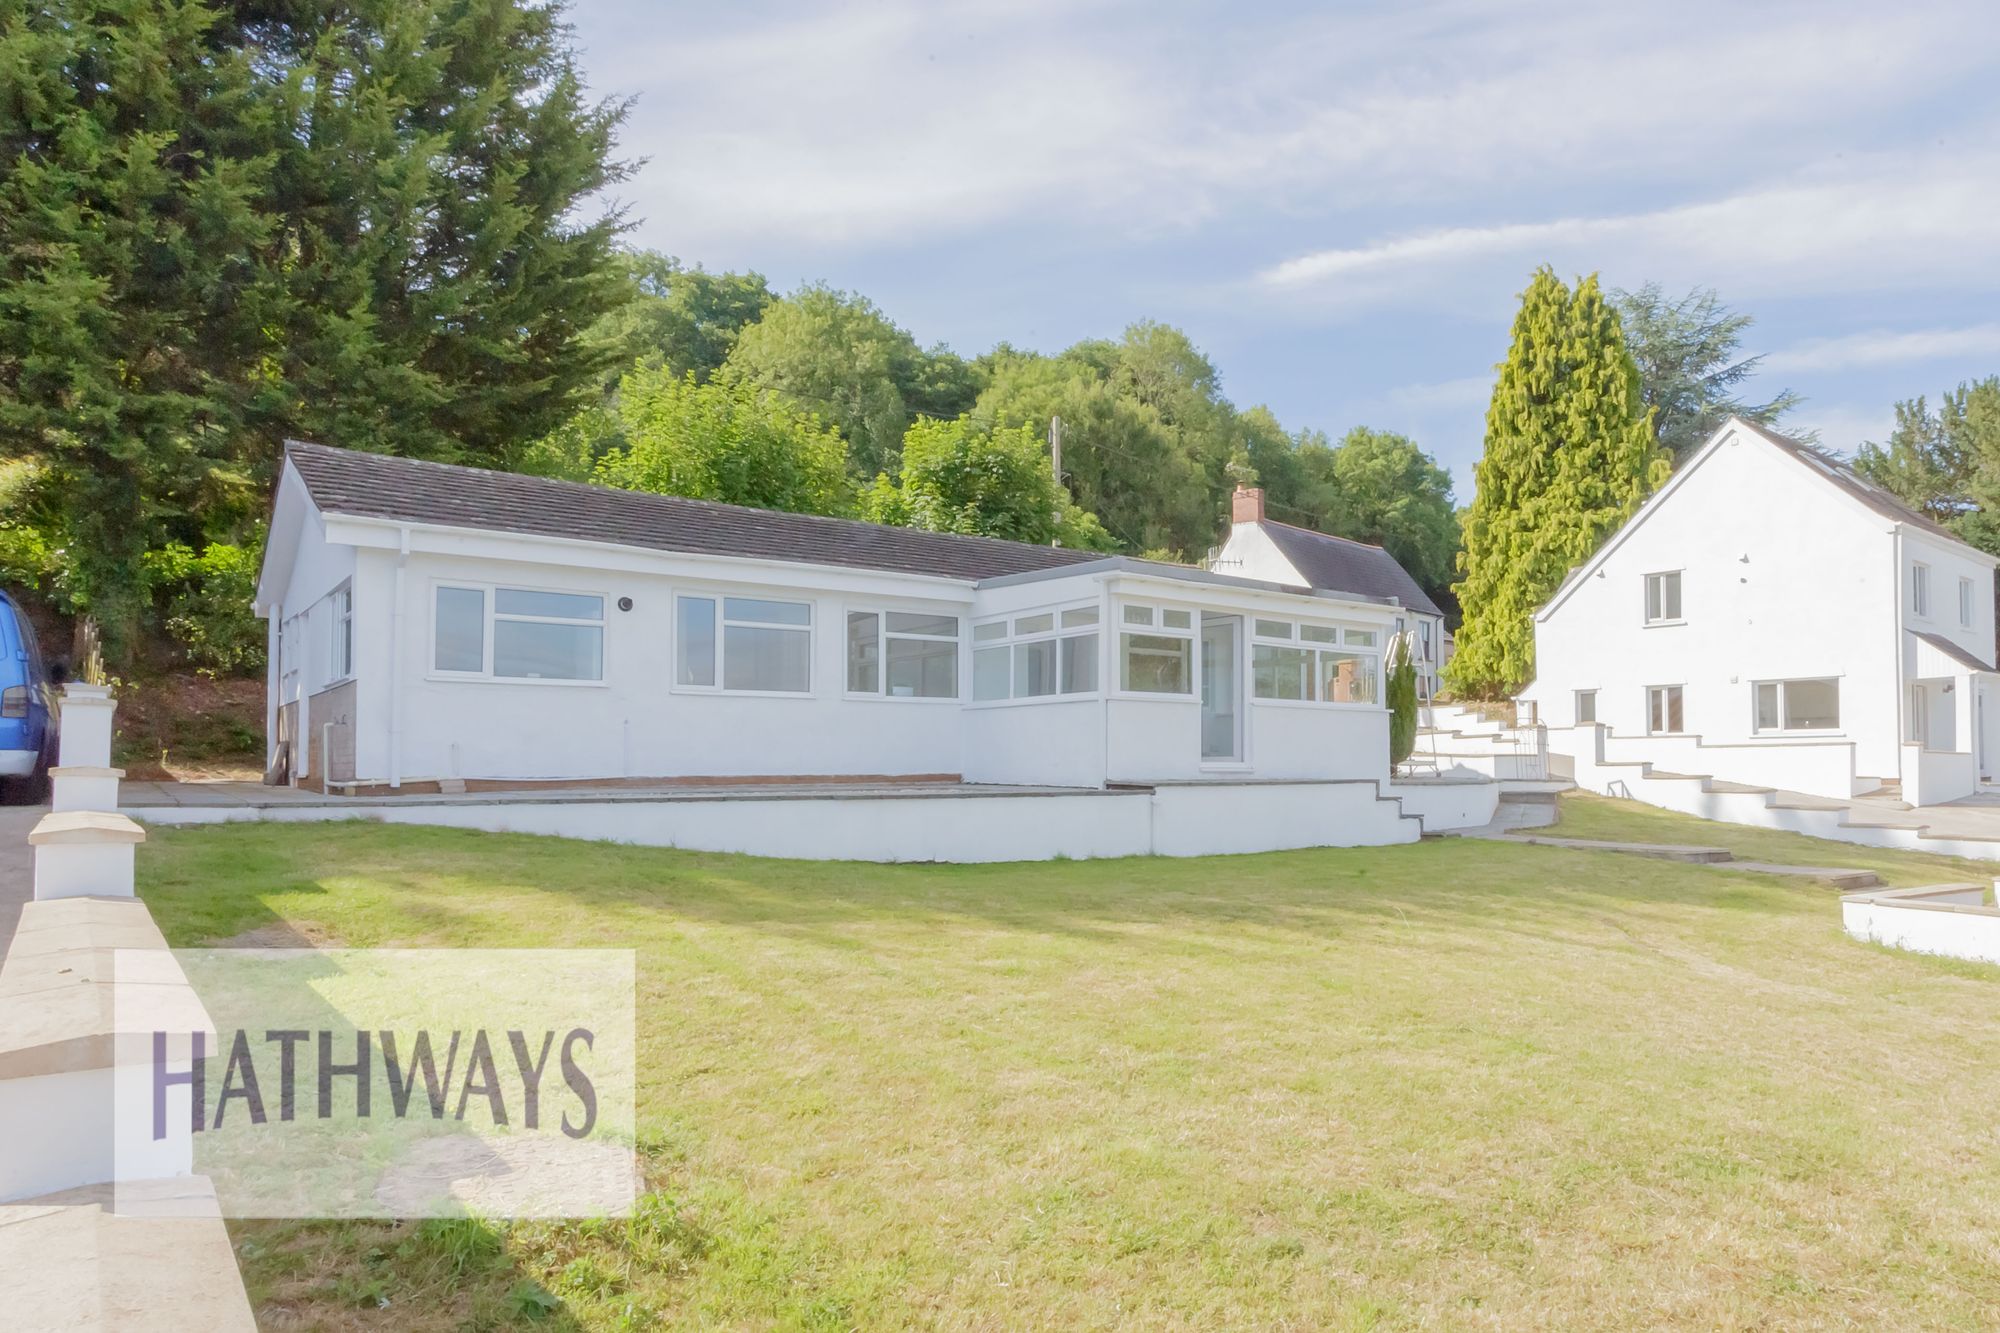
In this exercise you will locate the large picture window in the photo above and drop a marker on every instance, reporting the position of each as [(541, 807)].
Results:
[(1314, 663), (1036, 655), (752, 645), (902, 654), (517, 633), (1798, 705)]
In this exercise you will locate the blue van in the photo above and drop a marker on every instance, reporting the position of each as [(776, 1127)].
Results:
[(27, 724)]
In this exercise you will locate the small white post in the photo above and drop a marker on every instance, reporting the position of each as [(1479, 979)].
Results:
[(83, 847)]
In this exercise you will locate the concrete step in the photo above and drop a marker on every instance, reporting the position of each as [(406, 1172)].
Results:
[(1658, 851), (1736, 788), (1800, 801), (1843, 879)]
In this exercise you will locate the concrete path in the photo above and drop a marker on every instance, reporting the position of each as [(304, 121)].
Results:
[(17, 865)]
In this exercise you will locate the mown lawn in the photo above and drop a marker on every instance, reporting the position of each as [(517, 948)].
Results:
[(1458, 1084)]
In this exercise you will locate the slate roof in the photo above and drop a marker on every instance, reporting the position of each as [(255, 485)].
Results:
[(1847, 479), (1951, 650), (1340, 564), (365, 485)]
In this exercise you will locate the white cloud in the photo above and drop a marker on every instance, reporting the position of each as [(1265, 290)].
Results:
[(1885, 347), (897, 121), (1843, 428), (1869, 226)]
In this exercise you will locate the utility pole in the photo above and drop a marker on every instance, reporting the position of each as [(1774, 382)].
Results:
[(1055, 462)]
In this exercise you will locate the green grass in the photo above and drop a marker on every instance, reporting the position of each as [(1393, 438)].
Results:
[(1448, 1085)]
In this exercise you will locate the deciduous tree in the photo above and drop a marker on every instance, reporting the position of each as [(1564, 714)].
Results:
[(726, 440)]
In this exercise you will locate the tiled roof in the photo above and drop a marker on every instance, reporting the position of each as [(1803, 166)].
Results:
[(365, 485), (1340, 564)]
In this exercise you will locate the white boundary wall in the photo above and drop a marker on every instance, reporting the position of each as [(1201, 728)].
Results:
[(1948, 919), (1196, 819), (1635, 780)]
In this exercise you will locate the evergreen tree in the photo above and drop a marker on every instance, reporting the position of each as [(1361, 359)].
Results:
[(1946, 463), (1688, 368), (1569, 456), (222, 224)]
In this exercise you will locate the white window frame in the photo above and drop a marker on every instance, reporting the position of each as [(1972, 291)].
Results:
[(719, 670), (1343, 640), (341, 641), (1920, 590), (1665, 712), (882, 636), (1658, 578), (1155, 626), (1058, 630), (1576, 707), (1965, 616), (486, 674), (1782, 685)]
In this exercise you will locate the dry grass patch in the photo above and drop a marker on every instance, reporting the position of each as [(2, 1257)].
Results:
[(1458, 1084)]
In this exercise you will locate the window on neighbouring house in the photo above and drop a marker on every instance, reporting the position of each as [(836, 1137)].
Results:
[(1920, 590), (343, 633), (902, 654), (533, 635), (1965, 603), (1586, 706), (1798, 705), (755, 645), (1663, 597), (1663, 709)]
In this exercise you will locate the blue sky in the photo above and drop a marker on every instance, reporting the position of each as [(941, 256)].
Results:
[(1340, 202)]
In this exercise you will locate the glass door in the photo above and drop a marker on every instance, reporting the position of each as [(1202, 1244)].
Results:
[(1221, 689)]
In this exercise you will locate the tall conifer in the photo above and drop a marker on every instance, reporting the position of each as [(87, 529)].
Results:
[(1569, 456)]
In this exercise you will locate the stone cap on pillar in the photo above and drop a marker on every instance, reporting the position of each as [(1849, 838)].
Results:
[(68, 828)]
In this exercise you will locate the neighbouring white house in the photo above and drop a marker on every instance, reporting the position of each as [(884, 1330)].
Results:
[(1259, 548), (434, 625), (1771, 618)]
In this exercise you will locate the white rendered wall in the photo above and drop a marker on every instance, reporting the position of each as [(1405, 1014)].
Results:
[(1957, 926), (1782, 577), (1195, 820), (637, 722)]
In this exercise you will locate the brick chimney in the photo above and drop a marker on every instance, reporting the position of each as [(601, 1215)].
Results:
[(1247, 505)]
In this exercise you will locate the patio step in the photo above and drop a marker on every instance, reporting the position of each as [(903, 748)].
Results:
[(1840, 877), (1720, 787), (1659, 851), (1834, 875)]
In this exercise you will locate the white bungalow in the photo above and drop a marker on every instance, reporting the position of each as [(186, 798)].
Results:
[(436, 626), (1771, 618)]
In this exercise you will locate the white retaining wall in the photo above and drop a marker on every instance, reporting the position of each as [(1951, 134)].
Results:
[(1952, 920), (1635, 781), (1193, 820)]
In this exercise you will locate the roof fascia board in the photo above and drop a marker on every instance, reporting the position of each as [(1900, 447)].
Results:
[(281, 541), (535, 548), (1631, 525), (1252, 593)]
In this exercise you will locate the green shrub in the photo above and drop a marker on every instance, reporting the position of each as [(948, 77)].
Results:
[(208, 603)]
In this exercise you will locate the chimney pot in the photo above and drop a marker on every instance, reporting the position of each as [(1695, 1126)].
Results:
[(1247, 505)]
